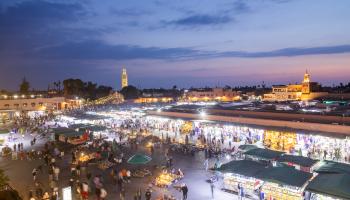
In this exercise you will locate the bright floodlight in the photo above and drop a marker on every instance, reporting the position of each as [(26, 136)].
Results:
[(203, 114), (159, 110)]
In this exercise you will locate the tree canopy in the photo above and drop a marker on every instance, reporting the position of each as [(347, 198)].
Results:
[(130, 92), (86, 90), (24, 86)]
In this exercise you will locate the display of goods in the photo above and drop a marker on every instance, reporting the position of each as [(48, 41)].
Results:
[(165, 179), (85, 157), (280, 141), (105, 165), (6, 151), (200, 145), (186, 128)]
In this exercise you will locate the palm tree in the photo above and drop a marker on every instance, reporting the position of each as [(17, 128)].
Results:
[(59, 86)]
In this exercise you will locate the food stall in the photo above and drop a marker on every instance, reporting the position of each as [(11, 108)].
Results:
[(280, 141), (284, 182), (186, 127), (298, 162), (3, 136), (165, 179), (262, 154), (241, 172), (85, 157), (103, 165), (330, 186), (71, 136)]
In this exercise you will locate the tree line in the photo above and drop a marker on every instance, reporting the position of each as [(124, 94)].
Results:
[(70, 88)]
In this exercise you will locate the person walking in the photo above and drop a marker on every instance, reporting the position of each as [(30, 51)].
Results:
[(148, 194), (78, 168), (56, 172), (212, 187), (139, 194), (184, 190), (103, 194), (122, 194), (240, 192), (206, 164), (46, 196), (34, 173)]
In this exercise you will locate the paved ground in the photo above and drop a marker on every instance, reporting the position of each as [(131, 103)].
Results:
[(19, 171)]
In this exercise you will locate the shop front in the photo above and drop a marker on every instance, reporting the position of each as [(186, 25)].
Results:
[(284, 183), (280, 141)]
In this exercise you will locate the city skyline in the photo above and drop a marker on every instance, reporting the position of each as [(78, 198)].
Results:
[(162, 43)]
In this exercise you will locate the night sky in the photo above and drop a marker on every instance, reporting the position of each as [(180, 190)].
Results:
[(165, 43)]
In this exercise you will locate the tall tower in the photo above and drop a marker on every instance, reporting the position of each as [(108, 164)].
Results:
[(124, 78), (306, 77), (305, 85)]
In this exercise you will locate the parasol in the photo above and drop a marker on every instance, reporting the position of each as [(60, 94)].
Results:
[(139, 159)]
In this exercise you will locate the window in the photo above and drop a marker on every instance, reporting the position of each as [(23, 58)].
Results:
[(33, 104)]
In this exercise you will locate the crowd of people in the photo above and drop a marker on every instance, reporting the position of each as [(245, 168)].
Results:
[(126, 134)]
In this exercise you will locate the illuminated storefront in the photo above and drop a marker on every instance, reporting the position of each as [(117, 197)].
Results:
[(280, 141)]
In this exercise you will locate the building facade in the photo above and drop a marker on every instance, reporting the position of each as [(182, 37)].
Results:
[(211, 94), (307, 90), (38, 104), (12, 105), (124, 78)]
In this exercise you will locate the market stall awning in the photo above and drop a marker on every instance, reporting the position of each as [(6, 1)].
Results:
[(327, 166), (75, 126), (96, 128), (139, 159), (298, 160), (267, 154), (62, 130), (247, 147), (247, 168), (334, 185), (3, 131), (68, 132), (90, 116), (285, 176)]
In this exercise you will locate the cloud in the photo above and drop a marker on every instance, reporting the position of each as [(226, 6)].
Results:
[(289, 52), (27, 25), (130, 12), (36, 13), (201, 20), (95, 49), (239, 7)]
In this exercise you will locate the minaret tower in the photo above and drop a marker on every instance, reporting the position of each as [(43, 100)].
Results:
[(124, 78), (306, 77), (305, 85)]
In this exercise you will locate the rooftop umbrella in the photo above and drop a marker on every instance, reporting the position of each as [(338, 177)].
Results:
[(139, 159)]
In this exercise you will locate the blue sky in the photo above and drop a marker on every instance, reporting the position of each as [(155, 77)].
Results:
[(165, 43)]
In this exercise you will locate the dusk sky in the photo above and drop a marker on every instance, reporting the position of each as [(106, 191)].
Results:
[(165, 43)]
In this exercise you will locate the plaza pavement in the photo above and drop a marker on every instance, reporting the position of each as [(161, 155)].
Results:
[(19, 172)]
